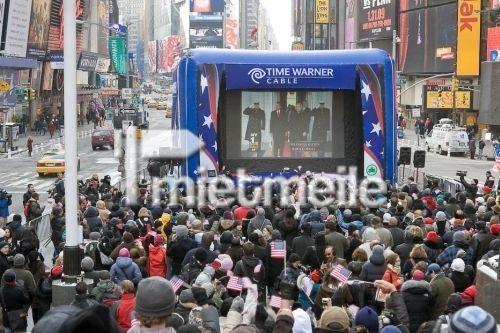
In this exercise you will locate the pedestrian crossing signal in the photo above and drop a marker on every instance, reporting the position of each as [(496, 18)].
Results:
[(31, 94)]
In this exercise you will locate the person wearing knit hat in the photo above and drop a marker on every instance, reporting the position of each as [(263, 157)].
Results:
[(472, 319), (125, 268), (385, 218), (390, 329), (19, 261), (418, 275), (89, 272), (367, 318), (461, 280), (335, 319), (186, 303), (181, 231), (155, 301), (495, 229)]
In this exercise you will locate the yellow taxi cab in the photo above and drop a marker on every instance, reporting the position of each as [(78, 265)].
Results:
[(52, 162)]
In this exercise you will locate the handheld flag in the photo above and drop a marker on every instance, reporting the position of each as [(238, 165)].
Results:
[(177, 282), (278, 250), (275, 301), (496, 166), (235, 283), (246, 282), (340, 273)]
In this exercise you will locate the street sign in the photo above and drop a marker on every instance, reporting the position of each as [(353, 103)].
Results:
[(127, 93), (4, 86), (402, 80), (415, 113)]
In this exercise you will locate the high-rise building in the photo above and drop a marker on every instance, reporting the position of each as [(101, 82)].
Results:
[(249, 23), (130, 15)]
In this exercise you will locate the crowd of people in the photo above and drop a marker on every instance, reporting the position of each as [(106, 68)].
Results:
[(409, 265)]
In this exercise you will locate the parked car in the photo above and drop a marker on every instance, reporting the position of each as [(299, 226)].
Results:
[(162, 105), (102, 138)]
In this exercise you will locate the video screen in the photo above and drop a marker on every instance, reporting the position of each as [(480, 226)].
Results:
[(286, 124)]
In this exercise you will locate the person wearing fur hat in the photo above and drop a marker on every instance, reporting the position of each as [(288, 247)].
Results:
[(154, 303), (417, 297)]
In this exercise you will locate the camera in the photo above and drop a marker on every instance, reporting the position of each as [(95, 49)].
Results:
[(461, 173), (5, 195)]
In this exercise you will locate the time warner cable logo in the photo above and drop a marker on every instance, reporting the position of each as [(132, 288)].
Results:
[(256, 74)]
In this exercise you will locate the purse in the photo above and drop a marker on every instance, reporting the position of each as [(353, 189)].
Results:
[(105, 260), (17, 318)]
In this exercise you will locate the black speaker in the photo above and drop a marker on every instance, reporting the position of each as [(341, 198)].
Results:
[(405, 155), (419, 159)]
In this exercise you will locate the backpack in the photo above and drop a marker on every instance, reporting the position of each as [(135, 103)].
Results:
[(189, 273), (108, 299)]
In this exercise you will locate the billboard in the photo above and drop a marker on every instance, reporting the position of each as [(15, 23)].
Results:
[(469, 37), (493, 44), (173, 53), (441, 97), (349, 39), (428, 38), (232, 25), (57, 24), (152, 56), (162, 55), (205, 31), (322, 11), (39, 29), (17, 28), (103, 31), (495, 4), (206, 6), (376, 19)]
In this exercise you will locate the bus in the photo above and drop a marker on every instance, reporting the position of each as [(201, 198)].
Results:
[(269, 111)]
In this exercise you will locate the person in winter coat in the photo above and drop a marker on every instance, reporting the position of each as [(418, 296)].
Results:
[(336, 239), (82, 298), (92, 219), (413, 235), (5, 202), (154, 303), (374, 269), (13, 298), (250, 266), (288, 278), (314, 219), (4, 252), (123, 309), (393, 270), (157, 258), (103, 211), (179, 247), (226, 222), (369, 238), (57, 225), (332, 288), (104, 287), (441, 288), (460, 242), (461, 280), (89, 272), (417, 297), (398, 234), (186, 304), (24, 276), (302, 242), (480, 242), (125, 269), (417, 255), (433, 246), (34, 210), (384, 234), (207, 240), (289, 226), (128, 242), (16, 227), (258, 222)]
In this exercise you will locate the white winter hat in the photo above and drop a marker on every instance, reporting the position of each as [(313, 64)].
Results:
[(386, 218), (458, 265)]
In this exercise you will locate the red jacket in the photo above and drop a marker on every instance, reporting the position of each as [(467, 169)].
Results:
[(124, 311), (157, 261), (240, 213)]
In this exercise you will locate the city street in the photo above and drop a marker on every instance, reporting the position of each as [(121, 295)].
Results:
[(16, 173), (444, 165)]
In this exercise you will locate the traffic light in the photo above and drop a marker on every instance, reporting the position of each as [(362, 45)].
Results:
[(31, 94), (454, 84)]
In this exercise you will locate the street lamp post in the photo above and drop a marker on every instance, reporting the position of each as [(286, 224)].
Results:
[(71, 247)]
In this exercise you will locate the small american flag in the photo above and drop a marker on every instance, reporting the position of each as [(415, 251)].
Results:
[(235, 283), (307, 286), (340, 273), (275, 301), (496, 166), (278, 250), (257, 268), (177, 282)]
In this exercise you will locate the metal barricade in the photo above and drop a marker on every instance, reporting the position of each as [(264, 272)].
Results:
[(419, 176), (42, 227), (121, 184)]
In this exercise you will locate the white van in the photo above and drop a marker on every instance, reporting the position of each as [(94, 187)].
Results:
[(446, 137)]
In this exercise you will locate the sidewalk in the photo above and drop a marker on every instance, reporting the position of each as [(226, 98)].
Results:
[(42, 142)]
